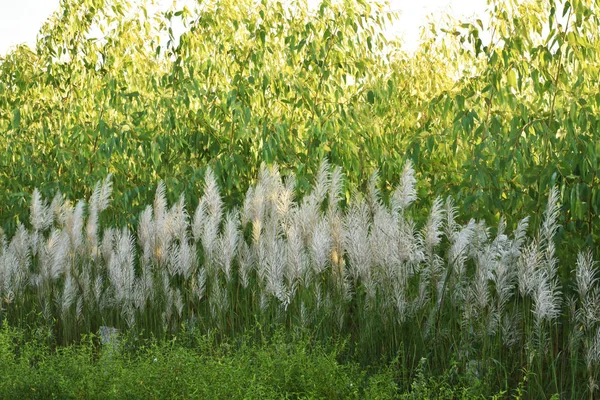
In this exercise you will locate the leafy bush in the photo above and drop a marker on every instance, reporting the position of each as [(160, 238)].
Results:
[(495, 122)]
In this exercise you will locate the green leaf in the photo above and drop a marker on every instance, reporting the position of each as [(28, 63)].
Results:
[(371, 97), (16, 120)]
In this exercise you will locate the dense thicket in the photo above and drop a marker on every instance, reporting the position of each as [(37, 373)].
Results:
[(493, 113)]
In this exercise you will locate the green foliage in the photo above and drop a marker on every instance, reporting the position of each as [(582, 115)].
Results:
[(289, 366), (496, 113), (520, 117), (246, 83)]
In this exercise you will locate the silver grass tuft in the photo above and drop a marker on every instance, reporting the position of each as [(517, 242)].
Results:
[(406, 192), (178, 220), (74, 225), (322, 182), (228, 243), (200, 287), (321, 246), (245, 263), (528, 265), (98, 202), (160, 202), (69, 296), (296, 258), (546, 299), (40, 214), (432, 234), (373, 193), (356, 241), (585, 274)]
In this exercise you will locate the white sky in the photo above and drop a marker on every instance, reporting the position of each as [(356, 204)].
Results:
[(20, 20)]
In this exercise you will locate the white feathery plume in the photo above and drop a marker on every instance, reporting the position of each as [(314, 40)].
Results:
[(161, 237), (519, 237), (160, 202), (296, 257), (214, 203), (432, 234), (54, 258), (356, 241), (178, 218), (527, 272), (509, 328), (322, 182), (285, 201), (500, 236), (9, 276), (321, 246), (272, 184), (178, 302), (547, 232), (79, 308), (585, 274), (69, 296), (56, 207), (183, 259), (105, 193), (383, 238), (400, 302), (451, 226), (308, 214), (98, 202), (139, 293), (594, 352), (40, 214), (546, 299), (146, 233), (214, 210), (97, 291), (274, 264), (200, 287), (480, 289), (586, 279), (550, 223), (247, 207), (245, 261), (121, 267), (373, 193), (85, 284), (457, 254), (406, 192), (128, 314), (257, 208), (199, 220), (74, 225), (504, 277), (337, 252), (17, 259), (409, 243), (263, 302), (228, 243)]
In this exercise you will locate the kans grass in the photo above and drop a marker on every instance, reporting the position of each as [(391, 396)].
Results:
[(437, 292)]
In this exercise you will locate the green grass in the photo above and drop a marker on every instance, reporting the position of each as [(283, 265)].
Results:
[(286, 365)]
